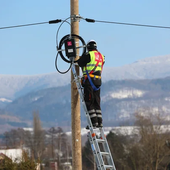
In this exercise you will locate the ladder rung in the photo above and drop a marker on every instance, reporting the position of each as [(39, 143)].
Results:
[(105, 153), (100, 140), (108, 166)]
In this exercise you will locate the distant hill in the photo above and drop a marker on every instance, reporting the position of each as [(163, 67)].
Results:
[(13, 86), (120, 99), (8, 121)]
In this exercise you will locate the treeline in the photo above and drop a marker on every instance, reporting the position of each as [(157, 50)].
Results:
[(24, 163), (147, 148), (44, 146)]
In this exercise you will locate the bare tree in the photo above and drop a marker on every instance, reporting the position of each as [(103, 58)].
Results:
[(14, 138), (52, 132), (59, 145), (150, 150), (87, 157), (35, 140)]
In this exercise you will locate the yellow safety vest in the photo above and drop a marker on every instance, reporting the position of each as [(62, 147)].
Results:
[(95, 57)]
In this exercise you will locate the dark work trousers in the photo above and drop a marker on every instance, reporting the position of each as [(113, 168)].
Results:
[(92, 100)]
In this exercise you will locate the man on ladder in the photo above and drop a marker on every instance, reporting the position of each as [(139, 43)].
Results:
[(92, 65)]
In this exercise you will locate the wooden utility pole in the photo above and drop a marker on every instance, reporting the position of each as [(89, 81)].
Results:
[(75, 99)]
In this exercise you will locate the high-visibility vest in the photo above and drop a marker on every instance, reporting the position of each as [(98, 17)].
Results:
[(96, 60)]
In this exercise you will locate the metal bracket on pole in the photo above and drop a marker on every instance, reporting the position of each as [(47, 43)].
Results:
[(75, 18)]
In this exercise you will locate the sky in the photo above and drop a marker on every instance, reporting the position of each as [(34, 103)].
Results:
[(32, 50)]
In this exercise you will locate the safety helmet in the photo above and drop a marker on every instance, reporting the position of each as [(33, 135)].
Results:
[(91, 45)]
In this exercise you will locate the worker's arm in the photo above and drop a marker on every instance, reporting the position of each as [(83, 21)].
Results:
[(83, 60)]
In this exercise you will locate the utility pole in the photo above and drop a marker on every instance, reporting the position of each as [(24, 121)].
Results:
[(75, 98)]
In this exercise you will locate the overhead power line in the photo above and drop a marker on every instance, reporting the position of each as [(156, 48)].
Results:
[(123, 23), (14, 26), (89, 20), (39, 23)]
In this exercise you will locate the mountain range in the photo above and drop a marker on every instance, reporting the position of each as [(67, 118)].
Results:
[(140, 86), (14, 86)]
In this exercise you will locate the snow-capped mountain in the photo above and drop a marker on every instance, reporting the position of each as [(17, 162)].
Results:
[(13, 86), (148, 68), (4, 102), (120, 99)]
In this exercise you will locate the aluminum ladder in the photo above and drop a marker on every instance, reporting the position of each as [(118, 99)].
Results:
[(99, 144)]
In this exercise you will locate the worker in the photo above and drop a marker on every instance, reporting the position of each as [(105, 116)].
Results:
[(92, 65)]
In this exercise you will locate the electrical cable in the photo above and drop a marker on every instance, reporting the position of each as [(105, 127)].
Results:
[(130, 24), (56, 66), (50, 22), (64, 72), (24, 25), (65, 38), (90, 20), (39, 23), (59, 29)]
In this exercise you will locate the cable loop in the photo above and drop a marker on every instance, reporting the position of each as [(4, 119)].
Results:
[(59, 46)]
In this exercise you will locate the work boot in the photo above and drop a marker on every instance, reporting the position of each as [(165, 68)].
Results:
[(100, 125)]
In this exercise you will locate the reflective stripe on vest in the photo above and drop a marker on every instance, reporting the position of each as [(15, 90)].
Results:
[(94, 58)]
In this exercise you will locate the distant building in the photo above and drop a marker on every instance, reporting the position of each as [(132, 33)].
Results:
[(13, 154)]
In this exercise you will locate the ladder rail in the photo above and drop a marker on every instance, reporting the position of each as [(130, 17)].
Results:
[(95, 149), (106, 147), (94, 142), (76, 79), (84, 106)]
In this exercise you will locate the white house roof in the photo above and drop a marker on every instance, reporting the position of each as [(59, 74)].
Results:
[(14, 154)]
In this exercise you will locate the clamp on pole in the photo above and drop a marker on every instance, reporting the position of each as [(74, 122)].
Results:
[(75, 18)]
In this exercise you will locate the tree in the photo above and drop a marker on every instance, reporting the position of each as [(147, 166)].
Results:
[(24, 164), (150, 150), (14, 138), (60, 147), (117, 144), (87, 157), (36, 140)]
